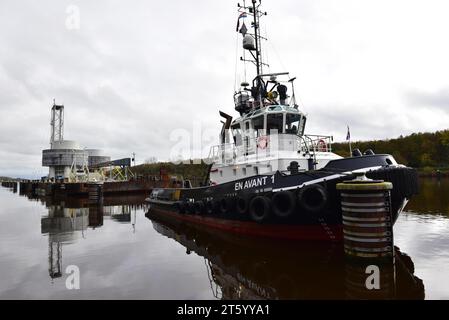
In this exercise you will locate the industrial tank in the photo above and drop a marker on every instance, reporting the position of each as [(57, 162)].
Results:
[(96, 156)]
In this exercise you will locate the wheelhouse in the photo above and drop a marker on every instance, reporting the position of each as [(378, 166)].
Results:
[(271, 120)]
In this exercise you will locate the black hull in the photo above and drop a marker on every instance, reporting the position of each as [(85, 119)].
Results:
[(223, 199)]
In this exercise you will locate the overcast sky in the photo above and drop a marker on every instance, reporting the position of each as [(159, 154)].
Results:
[(134, 74)]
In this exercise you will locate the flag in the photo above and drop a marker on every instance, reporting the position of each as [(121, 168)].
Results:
[(348, 135), (242, 15)]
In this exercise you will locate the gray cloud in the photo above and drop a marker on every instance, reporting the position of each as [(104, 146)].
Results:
[(133, 73), (438, 100)]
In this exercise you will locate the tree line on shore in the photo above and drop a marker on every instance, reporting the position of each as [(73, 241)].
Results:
[(424, 151)]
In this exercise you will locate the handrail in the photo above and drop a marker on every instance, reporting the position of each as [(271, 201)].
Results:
[(228, 152)]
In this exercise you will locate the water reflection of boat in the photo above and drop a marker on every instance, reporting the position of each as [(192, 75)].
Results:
[(250, 268)]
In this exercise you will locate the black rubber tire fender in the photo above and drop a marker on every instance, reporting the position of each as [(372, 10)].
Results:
[(283, 204), (199, 207), (260, 208), (180, 207), (190, 207), (242, 204), (211, 206), (223, 206), (231, 202), (313, 198), (227, 205)]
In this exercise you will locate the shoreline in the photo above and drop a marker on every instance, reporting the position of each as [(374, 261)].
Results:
[(433, 173)]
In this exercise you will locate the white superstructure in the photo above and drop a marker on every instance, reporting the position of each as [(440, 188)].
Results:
[(267, 140), (269, 134)]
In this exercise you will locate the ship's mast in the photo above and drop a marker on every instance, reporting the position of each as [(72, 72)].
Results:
[(256, 36), (259, 93), (252, 42)]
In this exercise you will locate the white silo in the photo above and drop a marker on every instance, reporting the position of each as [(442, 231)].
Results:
[(96, 156), (65, 157)]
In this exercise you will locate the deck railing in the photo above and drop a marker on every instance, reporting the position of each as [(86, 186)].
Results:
[(266, 146)]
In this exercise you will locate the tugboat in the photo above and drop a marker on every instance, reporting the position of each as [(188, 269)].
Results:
[(267, 177)]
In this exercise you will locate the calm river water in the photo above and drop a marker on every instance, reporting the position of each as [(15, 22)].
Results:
[(123, 254)]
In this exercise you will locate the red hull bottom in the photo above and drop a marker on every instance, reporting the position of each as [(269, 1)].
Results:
[(319, 232)]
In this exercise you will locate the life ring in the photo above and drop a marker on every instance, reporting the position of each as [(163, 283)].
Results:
[(321, 145), (260, 208), (284, 204), (262, 142), (313, 198)]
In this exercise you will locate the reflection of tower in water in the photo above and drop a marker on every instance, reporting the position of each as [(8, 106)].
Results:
[(63, 226), (54, 259), (68, 220)]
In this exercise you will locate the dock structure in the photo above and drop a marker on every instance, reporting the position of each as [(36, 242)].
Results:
[(133, 185), (74, 171), (11, 185), (86, 189), (66, 189)]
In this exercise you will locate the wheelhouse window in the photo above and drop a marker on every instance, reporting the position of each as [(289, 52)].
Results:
[(258, 125), (237, 134), (275, 123), (292, 121)]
